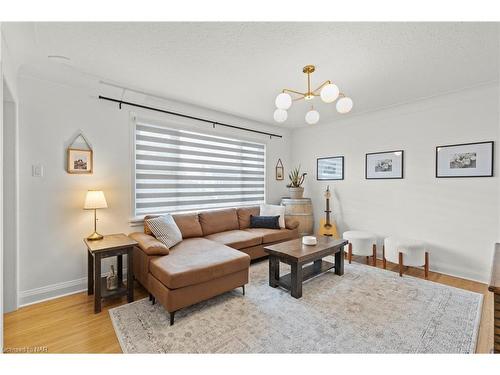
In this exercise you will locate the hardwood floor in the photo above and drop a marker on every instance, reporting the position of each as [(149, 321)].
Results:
[(65, 325), (69, 325)]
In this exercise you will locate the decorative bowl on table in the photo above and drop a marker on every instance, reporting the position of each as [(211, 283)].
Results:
[(309, 240)]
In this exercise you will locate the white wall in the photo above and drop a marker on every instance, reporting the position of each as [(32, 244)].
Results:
[(9, 203), (458, 217), (52, 253)]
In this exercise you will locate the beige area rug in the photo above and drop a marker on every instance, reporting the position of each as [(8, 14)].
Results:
[(368, 310)]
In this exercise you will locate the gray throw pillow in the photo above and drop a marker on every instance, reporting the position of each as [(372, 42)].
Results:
[(165, 230)]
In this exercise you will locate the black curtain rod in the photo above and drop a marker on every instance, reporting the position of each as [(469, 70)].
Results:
[(120, 102)]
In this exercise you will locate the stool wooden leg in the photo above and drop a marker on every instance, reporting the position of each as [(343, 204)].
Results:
[(374, 264), (400, 264), (384, 262), (349, 255), (426, 266), (367, 260)]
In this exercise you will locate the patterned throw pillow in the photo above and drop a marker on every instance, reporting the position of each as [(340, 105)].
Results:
[(165, 230)]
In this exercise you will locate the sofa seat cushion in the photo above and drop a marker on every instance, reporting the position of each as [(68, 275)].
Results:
[(197, 260), (237, 239), (272, 235)]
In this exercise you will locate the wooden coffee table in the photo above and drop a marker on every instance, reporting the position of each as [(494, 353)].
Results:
[(297, 255)]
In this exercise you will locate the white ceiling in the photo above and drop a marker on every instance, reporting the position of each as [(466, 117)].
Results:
[(239, 68)]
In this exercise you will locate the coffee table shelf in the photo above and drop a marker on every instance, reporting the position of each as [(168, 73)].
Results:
[(308, 272), (299, 257)]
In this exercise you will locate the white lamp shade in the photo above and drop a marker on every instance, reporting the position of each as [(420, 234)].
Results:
[(344, 105), (283, 101), (312, 117), (329, 93), (280, 115), (95, 199)]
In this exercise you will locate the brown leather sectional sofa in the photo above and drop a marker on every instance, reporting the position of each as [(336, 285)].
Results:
[(213, 257)]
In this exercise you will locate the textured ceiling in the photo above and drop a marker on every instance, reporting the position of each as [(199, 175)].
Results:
[(239, 68)]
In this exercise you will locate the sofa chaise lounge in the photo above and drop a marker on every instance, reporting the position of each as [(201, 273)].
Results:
[(213, 257)]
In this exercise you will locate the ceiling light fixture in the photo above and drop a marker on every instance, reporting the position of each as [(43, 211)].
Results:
[(328, 92)]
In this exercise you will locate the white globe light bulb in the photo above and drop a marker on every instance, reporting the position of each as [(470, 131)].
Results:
[(283, 101), (344, 105), (329, 93), (280, 115), (312, 117)]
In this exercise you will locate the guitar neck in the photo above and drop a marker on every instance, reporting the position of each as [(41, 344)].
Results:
[(328, 211)]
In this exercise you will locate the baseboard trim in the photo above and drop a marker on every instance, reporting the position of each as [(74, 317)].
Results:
[(48, 292), (452, 272)]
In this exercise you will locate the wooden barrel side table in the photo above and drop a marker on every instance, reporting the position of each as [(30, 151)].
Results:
[(302, 211)]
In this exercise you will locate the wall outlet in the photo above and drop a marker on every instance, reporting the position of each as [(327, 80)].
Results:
[(37, 170)]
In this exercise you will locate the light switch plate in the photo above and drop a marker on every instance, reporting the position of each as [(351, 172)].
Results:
[(37, 170)]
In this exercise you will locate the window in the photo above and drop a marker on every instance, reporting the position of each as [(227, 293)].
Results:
[(178, 170)]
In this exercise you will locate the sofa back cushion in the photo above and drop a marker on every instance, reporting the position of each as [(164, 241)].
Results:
[(218, 221), (189, 224), (244, 214)]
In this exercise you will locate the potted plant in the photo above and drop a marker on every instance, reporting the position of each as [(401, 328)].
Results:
[(296, 180)]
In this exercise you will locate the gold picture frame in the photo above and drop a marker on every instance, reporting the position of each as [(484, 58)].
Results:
[(280, 171), (80, 161)]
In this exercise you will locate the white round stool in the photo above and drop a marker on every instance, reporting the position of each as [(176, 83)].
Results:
[(406, 252), (361, 243)]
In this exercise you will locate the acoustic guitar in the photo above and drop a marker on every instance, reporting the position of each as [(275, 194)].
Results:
[(327, 226)]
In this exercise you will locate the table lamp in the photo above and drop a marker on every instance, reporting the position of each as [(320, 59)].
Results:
[(95, 199)]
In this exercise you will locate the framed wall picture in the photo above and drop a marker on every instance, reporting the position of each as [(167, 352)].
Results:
[(80, 161), (280, 171), (465, 160), (330, 168), (384, 165)]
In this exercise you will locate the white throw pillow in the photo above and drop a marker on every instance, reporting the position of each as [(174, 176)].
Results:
[(165, 230), (273, 210)]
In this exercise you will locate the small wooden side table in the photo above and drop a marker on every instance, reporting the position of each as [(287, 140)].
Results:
[(110, 246)]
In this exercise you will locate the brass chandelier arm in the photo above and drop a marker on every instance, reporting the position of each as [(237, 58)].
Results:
[(294, 92), (327, 82)]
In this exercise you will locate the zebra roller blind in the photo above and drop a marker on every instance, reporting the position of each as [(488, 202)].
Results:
[(178, 170)]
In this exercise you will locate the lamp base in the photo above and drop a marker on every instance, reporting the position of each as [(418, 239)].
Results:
[(95, 236)]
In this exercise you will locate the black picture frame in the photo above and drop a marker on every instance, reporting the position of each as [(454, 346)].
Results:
[(385, 178), (491, 174), (329, 179)]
